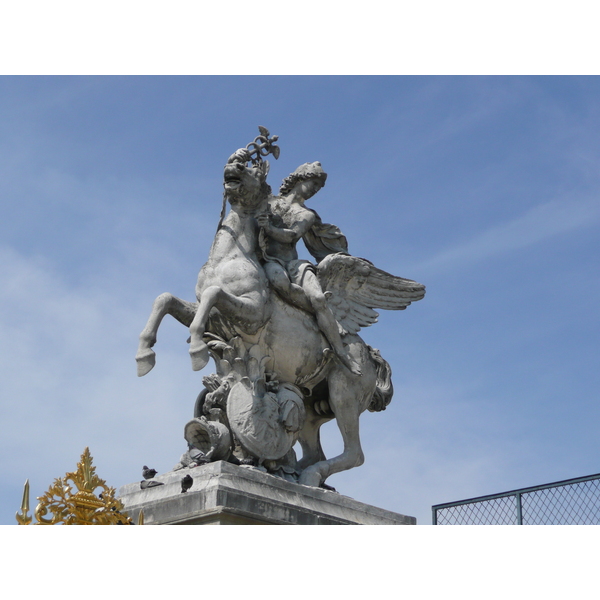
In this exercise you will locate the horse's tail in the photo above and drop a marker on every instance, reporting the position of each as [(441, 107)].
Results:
[(384, 390)]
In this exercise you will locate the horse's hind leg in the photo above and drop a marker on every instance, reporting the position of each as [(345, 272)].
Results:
[(310, 440), (344, 399), (165, 304)]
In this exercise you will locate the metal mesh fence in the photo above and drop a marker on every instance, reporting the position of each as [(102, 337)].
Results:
[(569, 502)]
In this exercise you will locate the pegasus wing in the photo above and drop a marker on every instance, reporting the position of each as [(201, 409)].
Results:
[(355, 286)]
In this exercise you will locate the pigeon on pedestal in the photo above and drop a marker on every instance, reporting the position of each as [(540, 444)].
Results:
[(186, 483)]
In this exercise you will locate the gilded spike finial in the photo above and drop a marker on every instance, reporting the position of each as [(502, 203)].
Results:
[(23, 518)]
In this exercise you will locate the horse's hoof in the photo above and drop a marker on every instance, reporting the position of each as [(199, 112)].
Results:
[(329, 488), (145, 362), (200, 356), (307, 478)]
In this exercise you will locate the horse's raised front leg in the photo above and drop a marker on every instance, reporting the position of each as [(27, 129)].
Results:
[(249, 308), (344, 398), (165, 304)]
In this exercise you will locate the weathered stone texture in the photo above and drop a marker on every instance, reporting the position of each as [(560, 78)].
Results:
[(226, 494)]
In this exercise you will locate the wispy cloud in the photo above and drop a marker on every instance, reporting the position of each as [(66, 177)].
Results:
[(68, 379), (537, 225)]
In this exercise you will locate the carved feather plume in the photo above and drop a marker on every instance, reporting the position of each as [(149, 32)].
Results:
[(356, 286)]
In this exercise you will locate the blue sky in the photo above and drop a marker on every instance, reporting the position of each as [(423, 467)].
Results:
[(485, 189)]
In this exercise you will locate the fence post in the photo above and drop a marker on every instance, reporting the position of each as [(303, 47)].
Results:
[(519, 509)]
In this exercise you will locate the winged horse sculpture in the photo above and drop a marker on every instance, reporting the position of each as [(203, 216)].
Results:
[(278, 379)]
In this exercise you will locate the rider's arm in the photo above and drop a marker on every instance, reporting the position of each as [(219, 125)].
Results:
[(291, 235)]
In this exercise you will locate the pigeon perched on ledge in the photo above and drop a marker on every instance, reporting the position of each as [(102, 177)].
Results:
[(186, 483), (148, 473)]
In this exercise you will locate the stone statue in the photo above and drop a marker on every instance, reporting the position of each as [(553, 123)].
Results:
[(282, 332)]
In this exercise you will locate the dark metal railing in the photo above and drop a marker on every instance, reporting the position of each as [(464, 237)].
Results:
[(569, 502)]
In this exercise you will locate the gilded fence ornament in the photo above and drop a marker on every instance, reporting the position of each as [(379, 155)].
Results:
[(71, 500), (24, 518)]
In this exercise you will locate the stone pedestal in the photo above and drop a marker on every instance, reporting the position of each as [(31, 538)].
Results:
[(226, 494)]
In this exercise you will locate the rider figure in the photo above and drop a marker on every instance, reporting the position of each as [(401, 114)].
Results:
[(293, 279)]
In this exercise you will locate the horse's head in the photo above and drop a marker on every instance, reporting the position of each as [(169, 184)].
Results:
[(245, 185)]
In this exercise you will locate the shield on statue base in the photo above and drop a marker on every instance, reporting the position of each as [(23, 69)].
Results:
[(266, 423)]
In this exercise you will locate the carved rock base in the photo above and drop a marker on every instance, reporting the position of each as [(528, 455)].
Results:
[(226, 494)]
